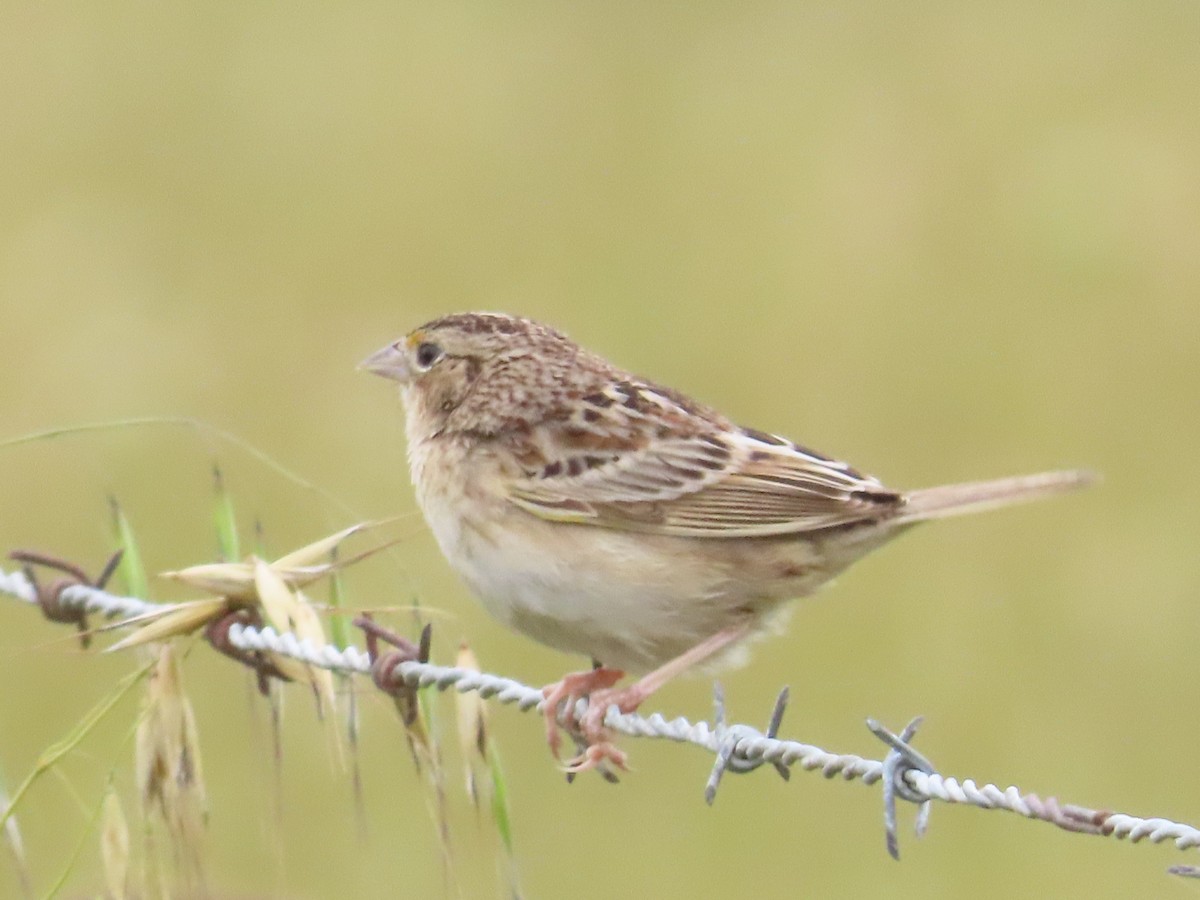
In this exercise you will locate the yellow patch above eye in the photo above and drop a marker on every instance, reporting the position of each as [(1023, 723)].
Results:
[(415, 338)]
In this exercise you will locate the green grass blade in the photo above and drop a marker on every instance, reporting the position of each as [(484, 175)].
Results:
[(224, 519), (500, 809), (501, 815), (131, 569), (16, 846), (339, 625), (211, 433), (73, 856), (60, 748)]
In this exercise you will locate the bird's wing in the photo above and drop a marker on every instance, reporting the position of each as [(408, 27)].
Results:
[(657, 468)]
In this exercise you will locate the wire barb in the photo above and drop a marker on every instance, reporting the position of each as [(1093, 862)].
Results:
[(900, 760), (383, 665), (49, 597), (729, 737)]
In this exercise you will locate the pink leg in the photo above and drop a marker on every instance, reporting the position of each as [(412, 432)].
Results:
[(571, 688), (628, 699)]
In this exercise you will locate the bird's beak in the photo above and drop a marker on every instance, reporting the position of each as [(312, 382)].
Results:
[(389, 362)]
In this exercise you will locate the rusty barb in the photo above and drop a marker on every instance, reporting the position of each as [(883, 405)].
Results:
[(49, 600), (216, 633), (49, 595), (383, 665)]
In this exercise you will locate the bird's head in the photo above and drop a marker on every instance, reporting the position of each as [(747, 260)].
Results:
[(483, 372)]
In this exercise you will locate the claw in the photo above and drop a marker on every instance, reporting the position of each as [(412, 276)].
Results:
[(595, 756)]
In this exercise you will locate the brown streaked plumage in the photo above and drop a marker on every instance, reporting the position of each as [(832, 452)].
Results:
[(606, 515)]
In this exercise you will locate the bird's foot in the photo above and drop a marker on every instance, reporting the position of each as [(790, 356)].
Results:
[(596, 740), (571, 689)]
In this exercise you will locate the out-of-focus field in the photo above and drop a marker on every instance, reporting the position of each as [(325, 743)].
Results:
[(942, 240)]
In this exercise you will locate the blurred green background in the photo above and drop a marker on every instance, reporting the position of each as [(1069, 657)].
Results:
[(942, 240)]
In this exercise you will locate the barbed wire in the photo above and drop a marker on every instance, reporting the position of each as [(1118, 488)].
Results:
[(738, 748)]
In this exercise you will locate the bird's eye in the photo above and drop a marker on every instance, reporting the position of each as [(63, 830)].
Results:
[(428, 354)]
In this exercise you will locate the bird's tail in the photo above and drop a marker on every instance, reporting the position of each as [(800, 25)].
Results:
[(976, 496)]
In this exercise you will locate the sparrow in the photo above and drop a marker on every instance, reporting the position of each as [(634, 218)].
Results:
[(603, 514)]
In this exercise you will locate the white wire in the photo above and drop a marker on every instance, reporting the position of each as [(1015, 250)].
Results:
[(745, 742)]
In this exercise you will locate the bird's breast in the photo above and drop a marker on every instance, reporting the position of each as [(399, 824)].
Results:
[(630, 600)]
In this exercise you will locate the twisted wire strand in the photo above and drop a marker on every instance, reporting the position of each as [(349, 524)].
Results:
[(17, 586), (741, 743), (80, 596)]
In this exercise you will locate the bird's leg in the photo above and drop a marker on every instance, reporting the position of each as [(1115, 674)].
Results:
[(571, 688), (628, 699)]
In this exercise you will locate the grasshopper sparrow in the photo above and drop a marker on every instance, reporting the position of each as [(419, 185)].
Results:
[(603, 514)]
